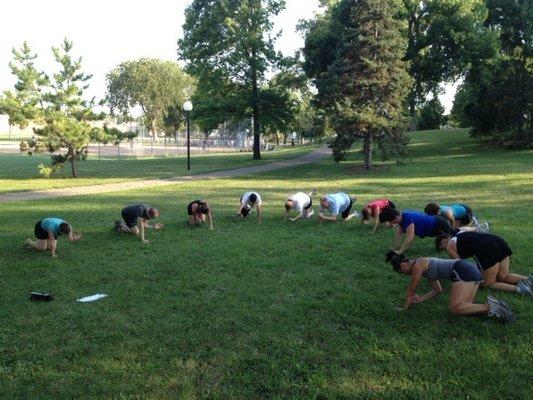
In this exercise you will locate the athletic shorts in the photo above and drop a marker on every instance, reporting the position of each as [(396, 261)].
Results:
[(129, 220), (492, 250), (310, 204), (392, 205), (443, 226), (346, 212), (40, 233), (465, 271), (465, 220)]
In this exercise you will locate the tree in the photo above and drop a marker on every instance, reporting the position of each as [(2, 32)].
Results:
[(25, 104), (56, 104), (367, 79), (157, 87), (229, 42), (441, 36), (431, 114), (497, 94)]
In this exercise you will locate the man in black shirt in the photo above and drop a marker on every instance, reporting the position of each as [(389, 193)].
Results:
[(136, 219)]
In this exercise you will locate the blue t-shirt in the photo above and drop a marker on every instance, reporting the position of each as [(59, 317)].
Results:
[(52, 225), (424, 224), (458, 210), (338, 203)]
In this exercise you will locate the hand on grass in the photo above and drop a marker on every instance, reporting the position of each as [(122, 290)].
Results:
[(158, 226), (146, 241)]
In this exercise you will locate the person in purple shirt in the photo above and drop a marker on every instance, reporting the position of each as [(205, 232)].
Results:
[(416, 223), (47, 230)]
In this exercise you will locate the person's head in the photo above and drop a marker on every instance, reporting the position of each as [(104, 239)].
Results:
[(366, 213), (253, 198), (64, 228), (153, 213), (391, 216), (400, 263), (245, 211), (441, 242), (203, 208), (432, 209), (324, 202), (288, 205)]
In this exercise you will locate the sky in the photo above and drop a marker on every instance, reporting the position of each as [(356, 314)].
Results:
[(108, 32)]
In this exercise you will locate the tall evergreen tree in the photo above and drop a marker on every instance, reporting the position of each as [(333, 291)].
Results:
[(371, 79), (230, 41)]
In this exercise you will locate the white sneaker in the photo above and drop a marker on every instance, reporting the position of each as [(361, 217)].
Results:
[(500, 310)]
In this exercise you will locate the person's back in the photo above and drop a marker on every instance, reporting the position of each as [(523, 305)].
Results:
[(458, 210), (439, 268), (136, 211), (52, 224), (300, 200), (424, 224), (338, 202)]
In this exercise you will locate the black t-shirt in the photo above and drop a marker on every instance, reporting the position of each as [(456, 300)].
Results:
[(136, 211)]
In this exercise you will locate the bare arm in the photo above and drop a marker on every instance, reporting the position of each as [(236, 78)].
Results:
[(141, 225), (398, 237), (449, 216), (418, 268), (376, 220), (436, 289), (259, 213), (52, 244), (451, 249), (210, 217), (410, 235), (74, 236)]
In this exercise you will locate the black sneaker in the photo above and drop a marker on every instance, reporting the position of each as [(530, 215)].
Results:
[(116, 228)]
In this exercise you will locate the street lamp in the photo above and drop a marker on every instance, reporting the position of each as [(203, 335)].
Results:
[(187, 107)]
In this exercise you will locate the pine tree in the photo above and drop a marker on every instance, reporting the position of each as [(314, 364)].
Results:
[(371, 79)]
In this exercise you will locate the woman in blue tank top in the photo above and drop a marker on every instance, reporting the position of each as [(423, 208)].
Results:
[(465, 278), (47, 230)]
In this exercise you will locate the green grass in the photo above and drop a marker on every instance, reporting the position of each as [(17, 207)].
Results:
[(20, 173), (275, 310)]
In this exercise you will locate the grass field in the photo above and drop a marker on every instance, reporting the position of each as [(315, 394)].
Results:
[(20, 173), (267, 311)]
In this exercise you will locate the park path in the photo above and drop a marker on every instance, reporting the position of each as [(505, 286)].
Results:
[(314, 156)]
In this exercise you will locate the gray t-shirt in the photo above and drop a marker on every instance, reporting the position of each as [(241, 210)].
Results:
[(439, 268)]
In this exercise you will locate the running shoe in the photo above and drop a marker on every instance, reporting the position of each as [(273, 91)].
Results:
[(313, 193), (484, 227), (500, 310), (354, 199), (525, 288), (530, 280), (475, 221)]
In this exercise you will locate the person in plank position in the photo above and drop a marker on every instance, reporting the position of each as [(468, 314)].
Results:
[(335, 204)]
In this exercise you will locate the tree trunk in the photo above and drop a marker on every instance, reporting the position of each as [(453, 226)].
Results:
[(255, 111), (72, 159), (277, 139), (285, 136), (368, 147), (153, 129), (412, 111)]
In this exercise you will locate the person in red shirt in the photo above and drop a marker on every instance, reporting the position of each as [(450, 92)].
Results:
[(372, 211)]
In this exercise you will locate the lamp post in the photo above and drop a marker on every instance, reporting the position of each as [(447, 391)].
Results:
[(187, 107)]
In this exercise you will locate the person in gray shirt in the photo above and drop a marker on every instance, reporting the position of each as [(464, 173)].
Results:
[(465, 278)]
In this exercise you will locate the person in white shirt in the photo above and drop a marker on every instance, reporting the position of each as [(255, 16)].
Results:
[(300, 202), (248, 201)]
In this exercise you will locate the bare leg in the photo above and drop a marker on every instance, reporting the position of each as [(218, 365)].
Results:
[(39, 244), (192, 220), (131, 231), (505, 276), (349, 217), (490, 276), (461, 299)]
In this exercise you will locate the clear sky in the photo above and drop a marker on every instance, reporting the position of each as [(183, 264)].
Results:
[(108, 32)]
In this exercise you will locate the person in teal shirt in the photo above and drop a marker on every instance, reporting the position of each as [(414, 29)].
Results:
[(47, 230), (336, 203), (459, 215)]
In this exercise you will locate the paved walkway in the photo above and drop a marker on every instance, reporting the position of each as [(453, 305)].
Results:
[(314, 156)]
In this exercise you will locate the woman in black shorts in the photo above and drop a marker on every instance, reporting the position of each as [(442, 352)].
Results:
[(197, 211), (465, 278), (492, 254)]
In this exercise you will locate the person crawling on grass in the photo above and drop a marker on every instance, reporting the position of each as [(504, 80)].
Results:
[(335, 204), (136, 217), (302, 203), (492, 254), (411, 223), (47, 231), (197, 211), (373, 212), (465, 278), (248, 201), (458, 215)]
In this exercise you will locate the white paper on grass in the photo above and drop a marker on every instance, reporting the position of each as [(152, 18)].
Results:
[(94, 297)]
